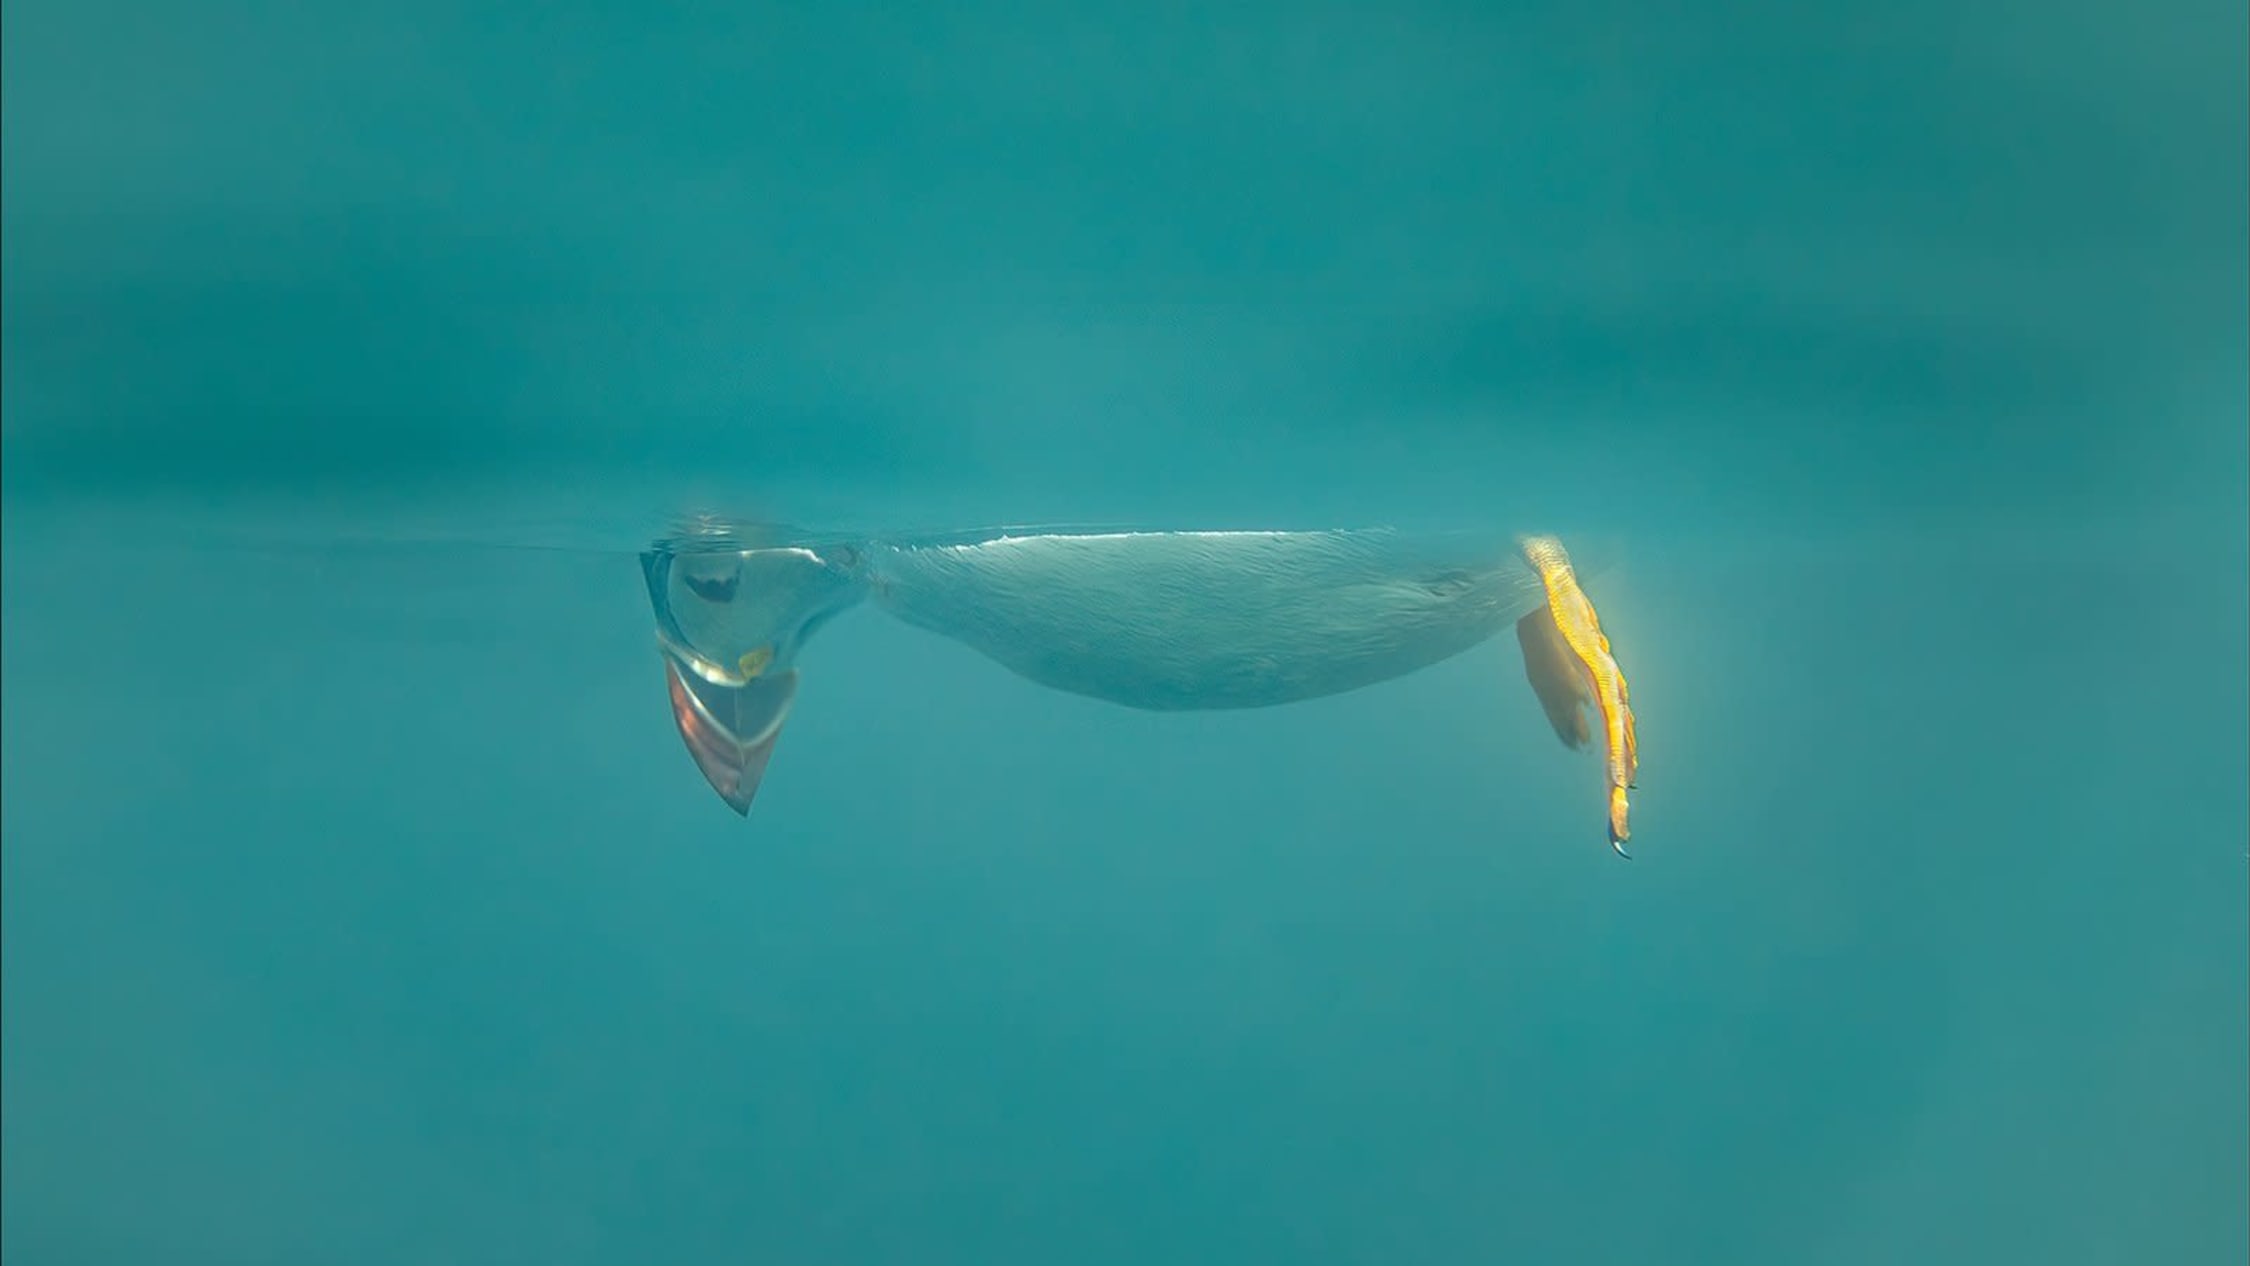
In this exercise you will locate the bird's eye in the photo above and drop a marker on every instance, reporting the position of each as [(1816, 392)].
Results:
[(713, 590)]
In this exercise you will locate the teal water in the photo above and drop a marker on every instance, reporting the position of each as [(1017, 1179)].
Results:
[(360, 905)]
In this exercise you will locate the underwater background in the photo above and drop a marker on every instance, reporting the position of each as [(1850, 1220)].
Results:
[(360, 905)]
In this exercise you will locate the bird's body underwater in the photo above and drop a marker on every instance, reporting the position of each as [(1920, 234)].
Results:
[(1172, 621)]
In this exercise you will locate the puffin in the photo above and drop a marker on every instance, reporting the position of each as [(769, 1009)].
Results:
[(1157, 620)]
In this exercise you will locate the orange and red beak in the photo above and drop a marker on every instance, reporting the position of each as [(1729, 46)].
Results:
[(729, 728)]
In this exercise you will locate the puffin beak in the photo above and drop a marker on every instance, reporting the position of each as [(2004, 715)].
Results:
[(729, 724)]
